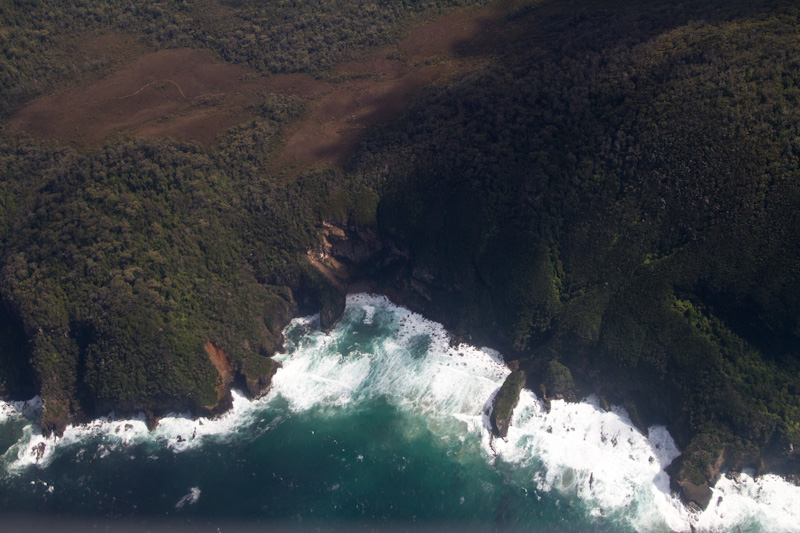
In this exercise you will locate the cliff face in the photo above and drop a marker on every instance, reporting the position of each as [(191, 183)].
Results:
[(610, 198), (505, 401), (223, 366)]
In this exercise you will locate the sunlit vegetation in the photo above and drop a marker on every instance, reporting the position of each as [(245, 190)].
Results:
[(39, 49), (613, 199)]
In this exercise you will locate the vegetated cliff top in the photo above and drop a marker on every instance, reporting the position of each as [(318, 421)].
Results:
[(619, 189), (614, 185), (151, 198)]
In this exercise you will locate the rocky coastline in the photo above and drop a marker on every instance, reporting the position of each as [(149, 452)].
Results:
[(367, 261), (354, 260)]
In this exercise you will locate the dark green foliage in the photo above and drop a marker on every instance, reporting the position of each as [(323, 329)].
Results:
[(18, 380), (255, 367), (558, 379), (620, 188), (508, 395), (120, 264)]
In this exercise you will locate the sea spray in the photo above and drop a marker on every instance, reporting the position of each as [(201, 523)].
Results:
[(381, 350), (176, 432), (766, 503), (586, 453), (379, 422)]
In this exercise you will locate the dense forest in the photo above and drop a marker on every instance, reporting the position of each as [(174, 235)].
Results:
[(618, 192), (610, 195)]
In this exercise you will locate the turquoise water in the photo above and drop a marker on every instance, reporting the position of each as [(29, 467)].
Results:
[(379, 425)]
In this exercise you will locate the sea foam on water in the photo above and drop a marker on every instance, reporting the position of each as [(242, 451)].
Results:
[(578, 452)]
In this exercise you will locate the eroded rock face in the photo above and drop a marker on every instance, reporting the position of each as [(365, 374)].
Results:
[(692, 484), (279, 312), (223, 365), (332, 310), (355, 246), (696, 495), (257, 387), (254, 375), (343, 255), (505, 401)]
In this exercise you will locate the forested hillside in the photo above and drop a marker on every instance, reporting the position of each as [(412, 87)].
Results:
[(608, 192), (121, 262), (619, 193), (41, 40)]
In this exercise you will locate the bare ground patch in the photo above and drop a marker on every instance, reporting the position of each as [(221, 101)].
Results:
[(190, 95)]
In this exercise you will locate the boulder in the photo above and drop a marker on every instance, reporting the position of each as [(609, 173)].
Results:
[(504, 402), (696, 495)]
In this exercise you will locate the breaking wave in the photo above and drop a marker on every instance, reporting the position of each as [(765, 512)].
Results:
[(577, 456)]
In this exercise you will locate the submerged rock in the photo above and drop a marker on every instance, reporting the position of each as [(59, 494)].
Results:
[(505, 401)]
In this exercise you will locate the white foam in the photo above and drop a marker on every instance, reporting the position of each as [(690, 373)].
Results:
[(369, 313), (618, 473), (768, 502), (191, 498), (15, 410), (446, 381), (595, 455), (176, 432), (576, 451)]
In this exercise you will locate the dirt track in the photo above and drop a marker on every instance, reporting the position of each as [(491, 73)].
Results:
[(190, 96)]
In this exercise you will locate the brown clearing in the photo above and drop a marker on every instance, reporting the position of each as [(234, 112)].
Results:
[(327, 271), (191, 96), (220, 361)]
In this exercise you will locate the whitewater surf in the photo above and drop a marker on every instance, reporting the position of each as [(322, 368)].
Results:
[(380, 423)]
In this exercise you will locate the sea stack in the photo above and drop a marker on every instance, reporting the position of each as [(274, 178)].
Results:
[(505, 401)]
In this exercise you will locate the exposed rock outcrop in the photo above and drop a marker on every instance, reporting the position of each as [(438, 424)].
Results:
[(697, 496), (344, 254), (259, 386), (691, 483), (505, 401), (332, 308), (223, 365), (256, 374)]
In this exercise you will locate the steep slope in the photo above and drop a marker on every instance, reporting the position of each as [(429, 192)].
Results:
[(609, 193), (619, 190), (141, 272)]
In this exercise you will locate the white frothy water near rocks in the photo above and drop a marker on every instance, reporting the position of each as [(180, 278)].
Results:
[(767, 503), (576, 452), (444, 380), (30, 409), (598, 457), (176, 432)]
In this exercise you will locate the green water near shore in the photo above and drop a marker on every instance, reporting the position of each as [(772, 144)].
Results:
[(380, 424)]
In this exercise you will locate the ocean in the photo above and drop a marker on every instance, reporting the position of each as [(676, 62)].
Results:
[(379, 425)]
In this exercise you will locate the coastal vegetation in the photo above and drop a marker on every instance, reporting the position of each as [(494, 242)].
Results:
[(608, 192), (618, 190)]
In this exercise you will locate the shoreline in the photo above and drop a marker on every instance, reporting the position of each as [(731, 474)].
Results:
[(181, 427)]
